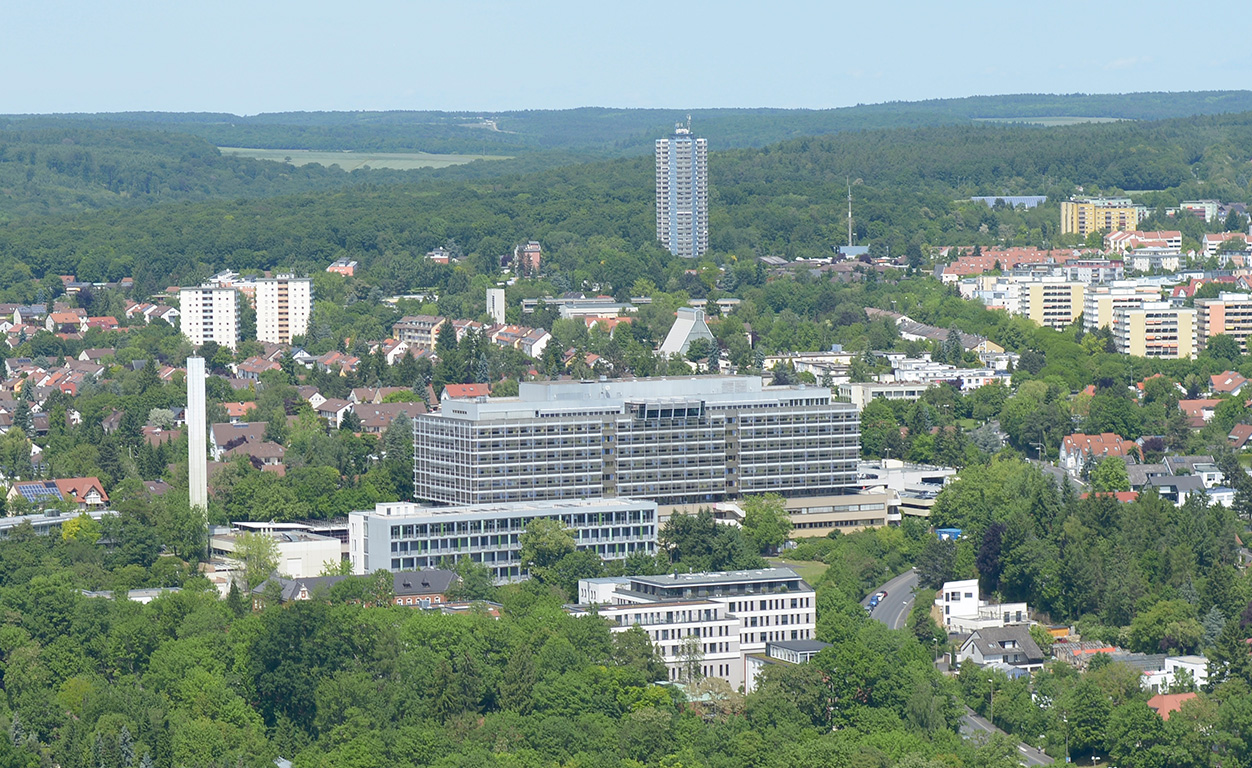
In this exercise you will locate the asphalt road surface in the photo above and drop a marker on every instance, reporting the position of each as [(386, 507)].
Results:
[(893, 611), (894, 608)]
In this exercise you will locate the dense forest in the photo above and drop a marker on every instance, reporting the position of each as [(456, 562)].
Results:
[(609, 132), (597, 218)]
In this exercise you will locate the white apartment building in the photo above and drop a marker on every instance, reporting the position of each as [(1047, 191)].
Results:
[(670, 624), (496, 305), (210, 313), (301, 553), (1100, 301), (958, 600), (770, 605), (1156, 259), (671, 440), (682, 193), (927, 372), (405, 536), (284, 305)]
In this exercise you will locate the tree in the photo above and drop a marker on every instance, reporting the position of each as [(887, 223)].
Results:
[(257, 553), (1224, 348), (691, 658), (544, 543), (766, 523), (936, 563), (1110, 475)]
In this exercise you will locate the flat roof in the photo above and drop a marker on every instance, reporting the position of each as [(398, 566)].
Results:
[(717, 577), (799, 646), (407, 509)]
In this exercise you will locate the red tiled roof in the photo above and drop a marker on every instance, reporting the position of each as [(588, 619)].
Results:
[(1165, 703)]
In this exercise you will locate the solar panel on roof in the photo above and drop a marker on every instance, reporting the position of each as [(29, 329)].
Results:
[(35, 492)]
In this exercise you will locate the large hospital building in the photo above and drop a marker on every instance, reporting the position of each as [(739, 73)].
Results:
[(673, 441)]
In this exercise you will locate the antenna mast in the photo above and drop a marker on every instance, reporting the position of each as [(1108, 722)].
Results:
[(849, 212)]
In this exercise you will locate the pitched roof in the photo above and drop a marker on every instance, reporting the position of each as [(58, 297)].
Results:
[(77, 488), (1227, 382), (1165, 703), (432, 581), (1105, 444), (990, 642), (466, 390), (1239, 435)]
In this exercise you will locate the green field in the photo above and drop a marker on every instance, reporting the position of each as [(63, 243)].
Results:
[(809, 570), (350, 161), (1047, 121)]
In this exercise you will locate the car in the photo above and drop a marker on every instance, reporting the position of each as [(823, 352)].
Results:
[(873, 601), (882, 595)]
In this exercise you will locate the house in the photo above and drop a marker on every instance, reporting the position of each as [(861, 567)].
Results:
[(1166, 703), (1198, 412), (103, 323), (1012, 646), (376, 418), (1204, 467), (1174, 671), (253, 367), (95, 354), (337, 362), (261, 453), (333, 410), (112, 422), (456, 391), (373, 394), (155, 436), (1239, 436), (67, 322), (310, 394), (1077, 450), (1226, 383), (29, 314), (87, 492), (343, 266), (239, 411), (1177, 488), (226, 436)]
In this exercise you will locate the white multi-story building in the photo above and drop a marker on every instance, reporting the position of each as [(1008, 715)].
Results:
[(1101, 301), (682, 193), (210, 313), (1052, 302), (283, 307), (404, 536), (861, 393), (670, 624), (762, 606), (496, 305), (672, 440)]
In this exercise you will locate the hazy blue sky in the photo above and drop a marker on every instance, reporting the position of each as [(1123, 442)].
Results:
[(274, 55)]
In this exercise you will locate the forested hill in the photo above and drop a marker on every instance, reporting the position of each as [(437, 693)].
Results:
[(611, 132), (597, 218)]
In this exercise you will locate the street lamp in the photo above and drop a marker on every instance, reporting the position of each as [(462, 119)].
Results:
[(1065, 722)]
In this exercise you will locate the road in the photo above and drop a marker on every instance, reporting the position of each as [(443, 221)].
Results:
[(894, 612), (894, 608)]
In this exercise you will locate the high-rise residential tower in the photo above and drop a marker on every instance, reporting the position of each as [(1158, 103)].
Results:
[(210, 313), (283, 306), (682, 193)]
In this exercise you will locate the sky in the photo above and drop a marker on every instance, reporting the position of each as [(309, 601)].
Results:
[(491, 55)]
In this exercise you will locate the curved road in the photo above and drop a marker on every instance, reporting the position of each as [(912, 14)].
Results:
[(893, 611)]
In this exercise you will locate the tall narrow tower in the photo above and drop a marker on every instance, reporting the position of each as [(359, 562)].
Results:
[(682, 193), (197, 439)]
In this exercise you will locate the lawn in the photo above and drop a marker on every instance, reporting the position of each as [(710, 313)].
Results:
[(809, 570), (350, 161)]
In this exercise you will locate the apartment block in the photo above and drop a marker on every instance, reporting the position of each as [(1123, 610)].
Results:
[(1229, 314), (1100, 301), (284, 305), (1052, 303), (860, 394), (419, 331), (670, 440), (669, 626), (1083, 216), (769, 605), (403, 536), (682, 193), (210, 313), (1157, 329), (1091, 271)]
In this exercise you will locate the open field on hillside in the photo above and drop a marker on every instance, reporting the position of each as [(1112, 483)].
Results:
[(1047, 121), (350, 161)]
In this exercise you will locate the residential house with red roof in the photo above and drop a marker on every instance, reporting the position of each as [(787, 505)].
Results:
[(1198, 412), (1077, 450), (1227, 383)]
